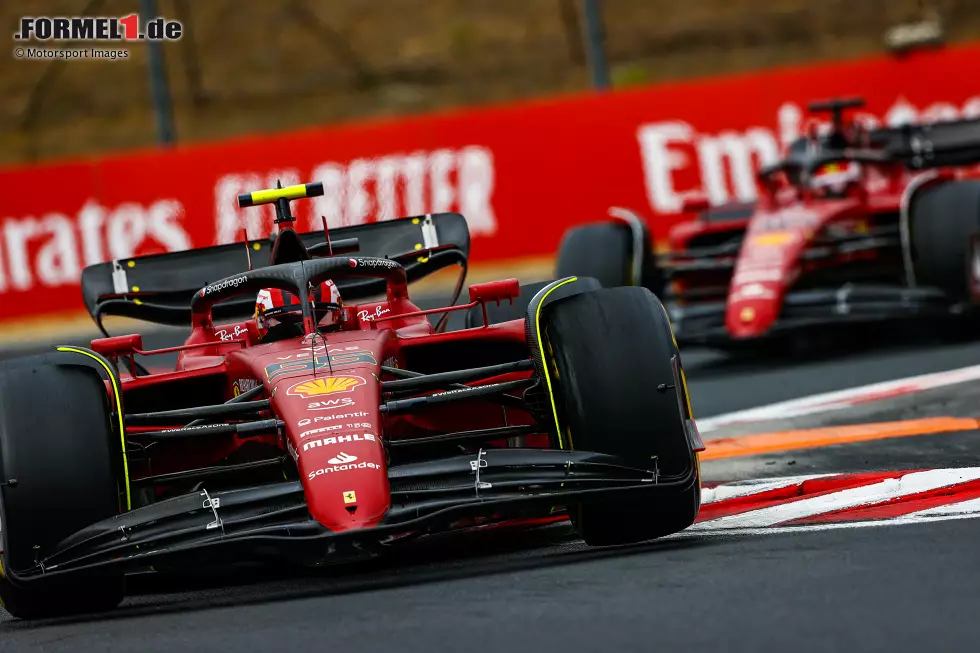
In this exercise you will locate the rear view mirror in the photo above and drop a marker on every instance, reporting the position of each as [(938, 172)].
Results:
[(695, 202), (118, 345), (494, 291)]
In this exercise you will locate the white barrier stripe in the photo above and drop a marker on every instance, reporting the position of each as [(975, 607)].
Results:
[(839, 399), (735, 490), (865, 495)]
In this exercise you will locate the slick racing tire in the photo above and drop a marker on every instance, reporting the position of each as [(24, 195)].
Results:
[(603, 251), (943, 218), (59, 465), (608, 351)]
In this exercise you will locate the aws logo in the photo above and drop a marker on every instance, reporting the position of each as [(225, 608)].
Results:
[(325, 386)]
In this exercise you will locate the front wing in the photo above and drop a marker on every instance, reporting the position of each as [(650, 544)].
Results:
[(273, 521), (704, 324)]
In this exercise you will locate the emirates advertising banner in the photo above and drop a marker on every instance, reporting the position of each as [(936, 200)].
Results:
[(520, 173)]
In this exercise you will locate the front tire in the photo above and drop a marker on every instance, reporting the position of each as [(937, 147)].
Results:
[(944, 218), (607, 352), (58, 446)]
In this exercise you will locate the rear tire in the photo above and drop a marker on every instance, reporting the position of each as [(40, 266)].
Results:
[(57, 441), (607, 352), (943, 218), (603, 251)]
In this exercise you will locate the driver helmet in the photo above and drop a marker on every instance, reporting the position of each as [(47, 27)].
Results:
[(278, 308), (833, 179)]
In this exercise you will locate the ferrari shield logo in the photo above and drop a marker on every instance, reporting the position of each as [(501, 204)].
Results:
[(350, 497)]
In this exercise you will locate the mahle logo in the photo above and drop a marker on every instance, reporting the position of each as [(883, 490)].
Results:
[(97, 28)]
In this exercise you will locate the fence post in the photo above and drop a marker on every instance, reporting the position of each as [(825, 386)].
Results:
[(595, 43), (159, 86)]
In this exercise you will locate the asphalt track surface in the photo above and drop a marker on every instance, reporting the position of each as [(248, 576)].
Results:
[(890, 588)]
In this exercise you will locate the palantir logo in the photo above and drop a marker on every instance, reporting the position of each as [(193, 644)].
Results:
[(342, 459), (97, 28)]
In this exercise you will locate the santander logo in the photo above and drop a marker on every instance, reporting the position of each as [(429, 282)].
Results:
[(342, 459)]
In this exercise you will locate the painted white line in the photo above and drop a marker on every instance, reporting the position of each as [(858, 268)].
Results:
[(745, 488), (864, 495), (839, 399)]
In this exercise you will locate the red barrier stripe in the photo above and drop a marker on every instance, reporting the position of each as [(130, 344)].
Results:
[(788, 494), (898, 507)]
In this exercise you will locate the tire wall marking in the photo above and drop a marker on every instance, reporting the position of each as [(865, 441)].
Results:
[(122, 428), (547, 377)]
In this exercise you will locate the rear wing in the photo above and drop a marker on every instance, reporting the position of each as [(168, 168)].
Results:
[(918, 146), (160, 288), (954, 143)]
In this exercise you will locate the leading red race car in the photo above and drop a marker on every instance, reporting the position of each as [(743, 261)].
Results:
[(363, 426), (853, 225)]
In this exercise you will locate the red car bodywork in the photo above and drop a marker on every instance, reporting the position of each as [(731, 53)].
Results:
[(317, 431), (325, 391), (731, 271)]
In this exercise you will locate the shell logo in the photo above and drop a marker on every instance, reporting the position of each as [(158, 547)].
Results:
[(773, 239), (325, 386)]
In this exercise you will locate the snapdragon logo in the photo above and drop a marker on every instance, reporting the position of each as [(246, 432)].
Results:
[(221, 285), (373, 263)]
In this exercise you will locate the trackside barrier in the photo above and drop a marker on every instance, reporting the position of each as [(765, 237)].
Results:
[(521, 173)]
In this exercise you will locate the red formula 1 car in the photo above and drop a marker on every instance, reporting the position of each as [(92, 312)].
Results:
[(854, 225), (356, 425)]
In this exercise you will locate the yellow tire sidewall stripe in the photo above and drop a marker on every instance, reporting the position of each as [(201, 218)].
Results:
[(122, 428), (544, 366)]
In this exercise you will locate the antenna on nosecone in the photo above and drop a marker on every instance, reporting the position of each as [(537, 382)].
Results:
[(326, 234), (248, 252)]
